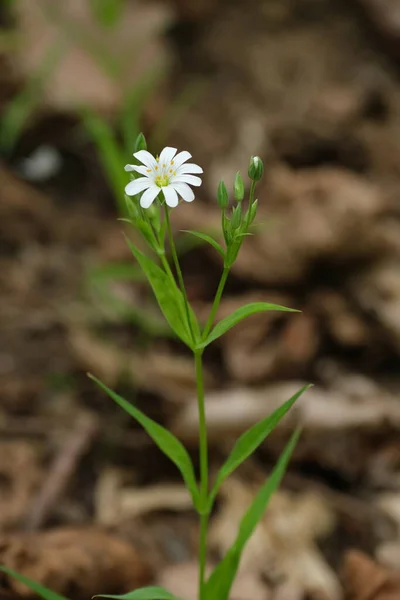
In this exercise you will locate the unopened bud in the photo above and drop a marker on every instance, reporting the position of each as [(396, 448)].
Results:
[(140, 143), (222, 195), (238, 188), (256, 168)]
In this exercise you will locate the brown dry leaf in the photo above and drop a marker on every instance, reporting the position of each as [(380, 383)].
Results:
[(257, 349), (115, 503), (25, 213), (20, 476), (170, 375), (340, 208), (193, 10), (364, 579), (283, 544), (378, 290), (384, 15), (231, 411), (181, 580), (388, 551), (80, 76), (346, 325), (78, 561)]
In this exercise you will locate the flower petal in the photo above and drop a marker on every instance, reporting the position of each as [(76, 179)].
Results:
[(170, 195), (146, 158), (137, 185), (148, 196), (167, 154), (181, 158), (189, 168), (142, 170), (190, 179), (129, 168), (184, 190)]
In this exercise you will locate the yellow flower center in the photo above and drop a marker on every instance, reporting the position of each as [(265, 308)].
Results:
[(162, 180)]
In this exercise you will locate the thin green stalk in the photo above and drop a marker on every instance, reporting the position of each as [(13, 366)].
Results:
[(203, 455), (178, 272), (216, 303)]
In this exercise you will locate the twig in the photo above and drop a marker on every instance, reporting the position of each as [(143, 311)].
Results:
[(60, 472)]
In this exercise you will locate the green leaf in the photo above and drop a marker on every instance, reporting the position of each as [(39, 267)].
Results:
[(250, 440), (16, 115), (110, 154), (39, 589), (107, 12), (208, 239), (167, 442), (220, 581), (240, 314), (169, 297), (146, 593)]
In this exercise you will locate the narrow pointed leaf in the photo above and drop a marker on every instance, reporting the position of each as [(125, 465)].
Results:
[(250, 440), (165, 440), (240, 314), (146, 593), (169, 297), (39, 589), (220, 581), (207, 238)]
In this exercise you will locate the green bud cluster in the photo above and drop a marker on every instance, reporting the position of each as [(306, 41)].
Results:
[(236, 226)]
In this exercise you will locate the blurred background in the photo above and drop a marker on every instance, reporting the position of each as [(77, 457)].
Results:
[(87, 503)]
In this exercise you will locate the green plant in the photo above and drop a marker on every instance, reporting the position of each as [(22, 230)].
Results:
[(154, 189)]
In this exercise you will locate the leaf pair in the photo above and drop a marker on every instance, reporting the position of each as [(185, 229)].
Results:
[(247, 443)]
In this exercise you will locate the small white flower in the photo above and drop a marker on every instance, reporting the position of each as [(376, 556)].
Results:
[(168, 173)]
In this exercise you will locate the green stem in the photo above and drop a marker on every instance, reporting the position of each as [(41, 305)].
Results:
[(178, 272), (216, 303), (203, 455)]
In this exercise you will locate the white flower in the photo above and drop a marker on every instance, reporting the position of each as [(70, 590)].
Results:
[(167, 173)]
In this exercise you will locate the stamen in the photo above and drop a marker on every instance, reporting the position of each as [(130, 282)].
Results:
[(148, 170)]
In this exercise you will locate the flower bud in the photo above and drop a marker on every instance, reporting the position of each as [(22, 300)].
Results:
[(140, 143), (222, 195), (238, 188), (256, 168)]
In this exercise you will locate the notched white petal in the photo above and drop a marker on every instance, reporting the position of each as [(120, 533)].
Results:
[(181, 157), (184, 191), (189, 168), (137, 185), (149, 195), (146, 158), (166, 155), (190, 179), (170, 195)]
